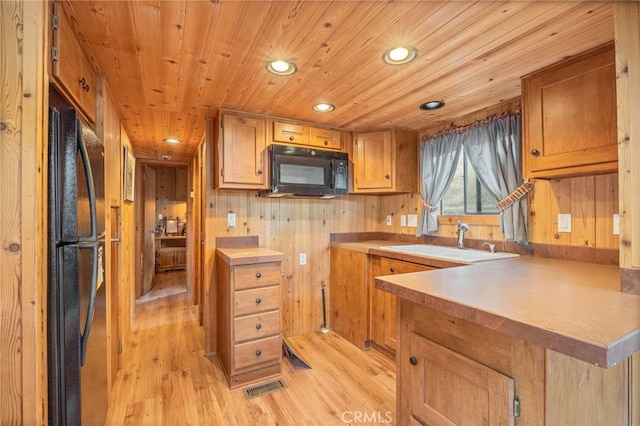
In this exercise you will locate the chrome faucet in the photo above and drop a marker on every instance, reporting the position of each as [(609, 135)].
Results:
[(492, 247), (462, 228)]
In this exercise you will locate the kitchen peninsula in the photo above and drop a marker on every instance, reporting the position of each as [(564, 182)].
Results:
[(511, 336)]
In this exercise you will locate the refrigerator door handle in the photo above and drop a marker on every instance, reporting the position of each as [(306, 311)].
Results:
[(90, 186), (84, 340)]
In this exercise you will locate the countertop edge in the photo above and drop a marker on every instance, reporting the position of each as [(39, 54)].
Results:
[(605, 356), (249, 255)]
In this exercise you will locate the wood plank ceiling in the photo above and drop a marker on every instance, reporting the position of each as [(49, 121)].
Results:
[(170, 64)]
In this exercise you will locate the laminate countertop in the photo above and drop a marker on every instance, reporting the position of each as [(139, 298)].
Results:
[(570, 307)]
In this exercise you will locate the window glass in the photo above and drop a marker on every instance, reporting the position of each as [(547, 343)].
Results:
[(467, 195)]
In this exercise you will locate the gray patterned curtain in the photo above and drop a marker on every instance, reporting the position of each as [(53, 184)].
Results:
[(493, 148), (438, 159)]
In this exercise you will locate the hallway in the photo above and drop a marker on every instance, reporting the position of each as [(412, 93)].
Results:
[(165, 378)]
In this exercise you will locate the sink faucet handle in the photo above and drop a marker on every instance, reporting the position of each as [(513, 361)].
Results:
[(492, 247)]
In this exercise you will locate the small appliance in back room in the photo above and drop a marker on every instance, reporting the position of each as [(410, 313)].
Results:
[(76, 302)]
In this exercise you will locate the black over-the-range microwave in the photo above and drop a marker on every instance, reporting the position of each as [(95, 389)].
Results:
[(307, 172)]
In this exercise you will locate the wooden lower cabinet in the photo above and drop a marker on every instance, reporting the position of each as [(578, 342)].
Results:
[(171, 258), (383, 320), (481, 394), (249, 342), (349, 296), (454, 372)]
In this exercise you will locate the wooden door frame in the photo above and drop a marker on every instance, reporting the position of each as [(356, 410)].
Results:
[(139, 218)]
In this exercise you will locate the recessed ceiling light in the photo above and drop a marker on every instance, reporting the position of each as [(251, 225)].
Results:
[(400, 55), (431, 105), (172, 140), (322, 107), (280, 67)]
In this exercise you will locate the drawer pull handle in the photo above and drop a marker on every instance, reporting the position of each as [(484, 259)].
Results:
[(291, 137), (258, 275), (258, 326), (326, 142), (258, 300), (392, 271), (258, 352), (413, 360)]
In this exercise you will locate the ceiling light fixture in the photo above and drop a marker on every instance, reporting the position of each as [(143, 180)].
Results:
[(172, 140), (322, 107), (431, 105), (400, 55), (280, 67), (166, 157)]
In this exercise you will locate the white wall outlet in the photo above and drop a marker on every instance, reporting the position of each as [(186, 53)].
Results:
[(616, 224), (159, 216), (412, 220), (303, 258), (389, 220), (403, 220), (564, 223), (231, 220)]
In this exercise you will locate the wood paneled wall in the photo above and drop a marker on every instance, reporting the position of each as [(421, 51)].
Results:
[(23, 195), (627, 34), (129, 254), (291, 226)]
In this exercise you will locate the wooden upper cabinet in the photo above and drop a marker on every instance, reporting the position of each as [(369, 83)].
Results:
[(71, 71), (240, 151), (385, 161), (290, 133), (303, 134), (325, 138), (570, 117)]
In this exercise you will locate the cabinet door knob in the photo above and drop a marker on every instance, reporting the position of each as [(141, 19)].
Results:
[(259, 171), (258, 326), (392, 271), (535, 152), (387, 177), (258, 352), (326, 142), (258, 274), (413, 360), (258, 300), (291, 137)]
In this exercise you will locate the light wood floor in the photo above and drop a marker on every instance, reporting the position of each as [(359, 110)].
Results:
[(166, 379)]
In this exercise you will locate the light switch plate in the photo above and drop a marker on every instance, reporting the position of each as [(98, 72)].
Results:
[(231, 220), (403, 220), (388, 220), (303, 258), (564, 223), (616, 224), (412, 220)]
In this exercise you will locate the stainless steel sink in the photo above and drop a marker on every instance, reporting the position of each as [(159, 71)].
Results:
[(451, 254)]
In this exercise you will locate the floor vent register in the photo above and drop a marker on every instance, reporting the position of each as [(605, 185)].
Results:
[(264, 389)]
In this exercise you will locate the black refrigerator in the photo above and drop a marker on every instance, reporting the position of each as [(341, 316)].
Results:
[(76, 302)]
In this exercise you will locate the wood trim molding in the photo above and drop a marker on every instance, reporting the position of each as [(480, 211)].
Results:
[(630, 281)]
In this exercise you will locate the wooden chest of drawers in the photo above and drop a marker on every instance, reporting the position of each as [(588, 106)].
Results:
[(248, 334)]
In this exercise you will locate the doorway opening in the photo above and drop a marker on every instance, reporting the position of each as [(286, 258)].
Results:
[(164, 234)]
